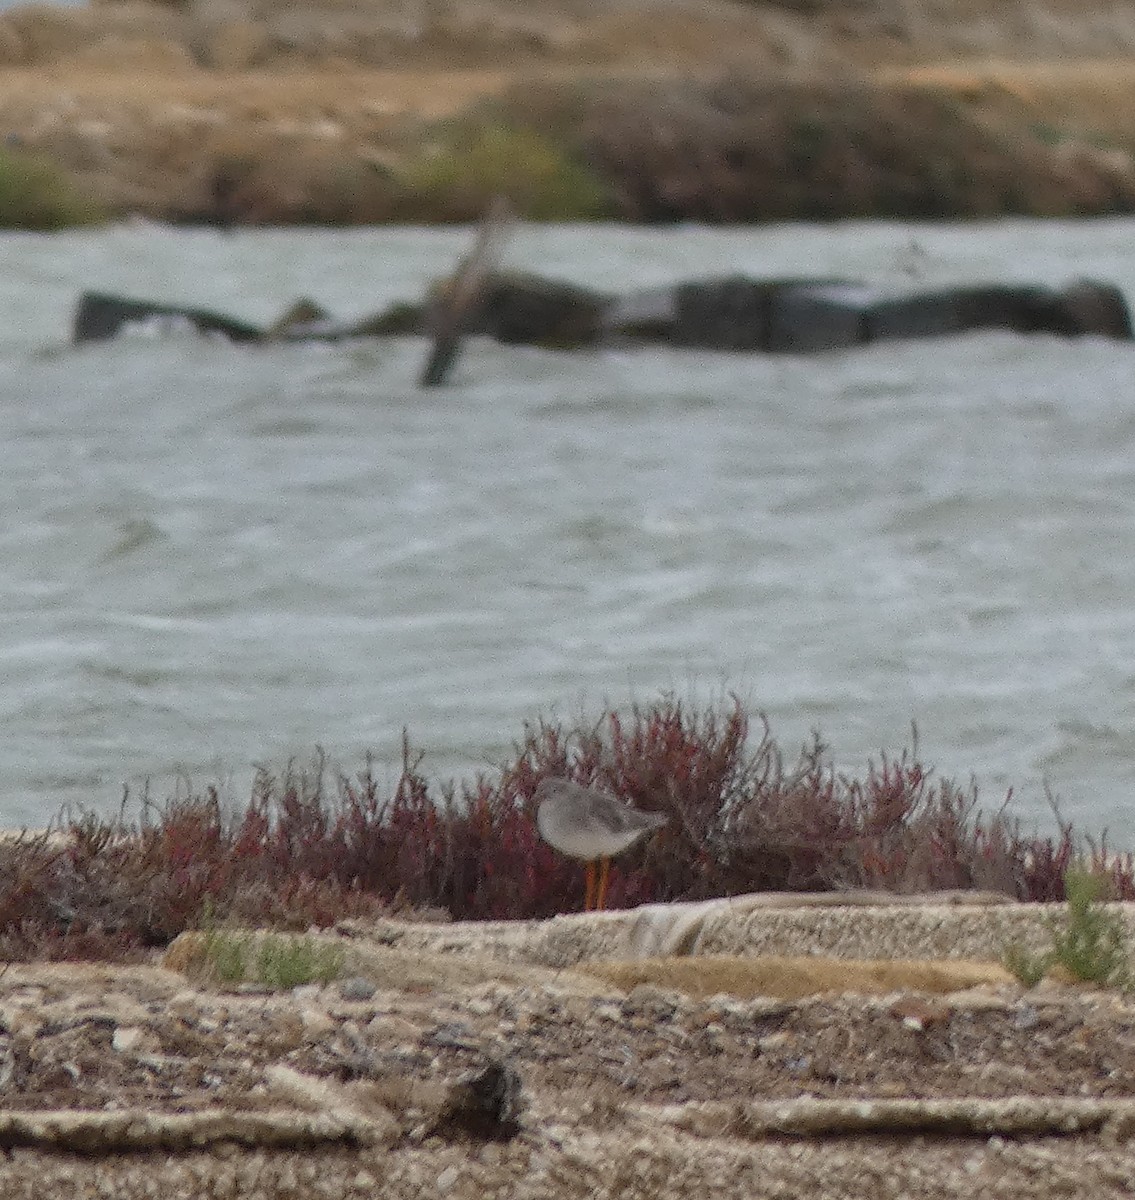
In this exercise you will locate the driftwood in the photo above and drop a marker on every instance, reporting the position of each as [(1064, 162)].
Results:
[(1016, 1116), (133, 1130)]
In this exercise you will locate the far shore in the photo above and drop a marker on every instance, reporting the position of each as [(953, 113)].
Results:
[(733, 111)]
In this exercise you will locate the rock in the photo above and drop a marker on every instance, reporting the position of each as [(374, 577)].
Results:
[(923, 314), (400, 318), (1024, 309), (316, 1024), (767, 314), (484, 1104), (132, 1039), (1085, 307), (100, 315), (726, 314), (797, 316), (919, 1014), (808, 318), (648, 315), (531, 310), (736, 313), (1097, 308), (306, 321), (298, 318), (356, 989)]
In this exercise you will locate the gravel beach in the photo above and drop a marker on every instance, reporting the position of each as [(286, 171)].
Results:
[(566, 1058)]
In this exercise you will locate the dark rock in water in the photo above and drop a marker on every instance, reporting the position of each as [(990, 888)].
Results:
[(533, 311), (807, 318), (923, 314), (723, 314), (764, 314), (1023, 308), (1081, 309), (298, 317), (804, 316), (1091, 307), (299, 325), (400, 318), (649, 315), (741, 314), (99, 316), (736, 313)]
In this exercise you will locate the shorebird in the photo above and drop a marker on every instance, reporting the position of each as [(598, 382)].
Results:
[(590, 825)]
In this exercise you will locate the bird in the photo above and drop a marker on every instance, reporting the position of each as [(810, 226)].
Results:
[(590, 825)]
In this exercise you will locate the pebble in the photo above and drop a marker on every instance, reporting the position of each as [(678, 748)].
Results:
[(316, 1024), (131, 1039), (357, 989)]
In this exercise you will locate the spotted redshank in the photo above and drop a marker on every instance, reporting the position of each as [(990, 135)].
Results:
[(590, 825)]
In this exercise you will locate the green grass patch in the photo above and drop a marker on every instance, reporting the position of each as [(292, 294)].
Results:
[(1089, 940), (277, 961), (1028, 967), (1090, 943), (465, 164), (36, 194)]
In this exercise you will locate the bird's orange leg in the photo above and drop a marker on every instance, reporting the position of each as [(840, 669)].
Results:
[(601, 896), (589, 897)]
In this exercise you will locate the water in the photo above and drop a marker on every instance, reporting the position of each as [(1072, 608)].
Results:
[(216, 556)]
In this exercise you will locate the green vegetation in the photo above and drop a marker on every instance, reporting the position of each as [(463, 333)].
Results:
[(1089, 941), (35, 194), (278, 961), (468, 162), (227, 956), (1028, 968)]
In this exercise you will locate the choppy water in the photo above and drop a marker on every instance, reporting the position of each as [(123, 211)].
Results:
[(215, 556)]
